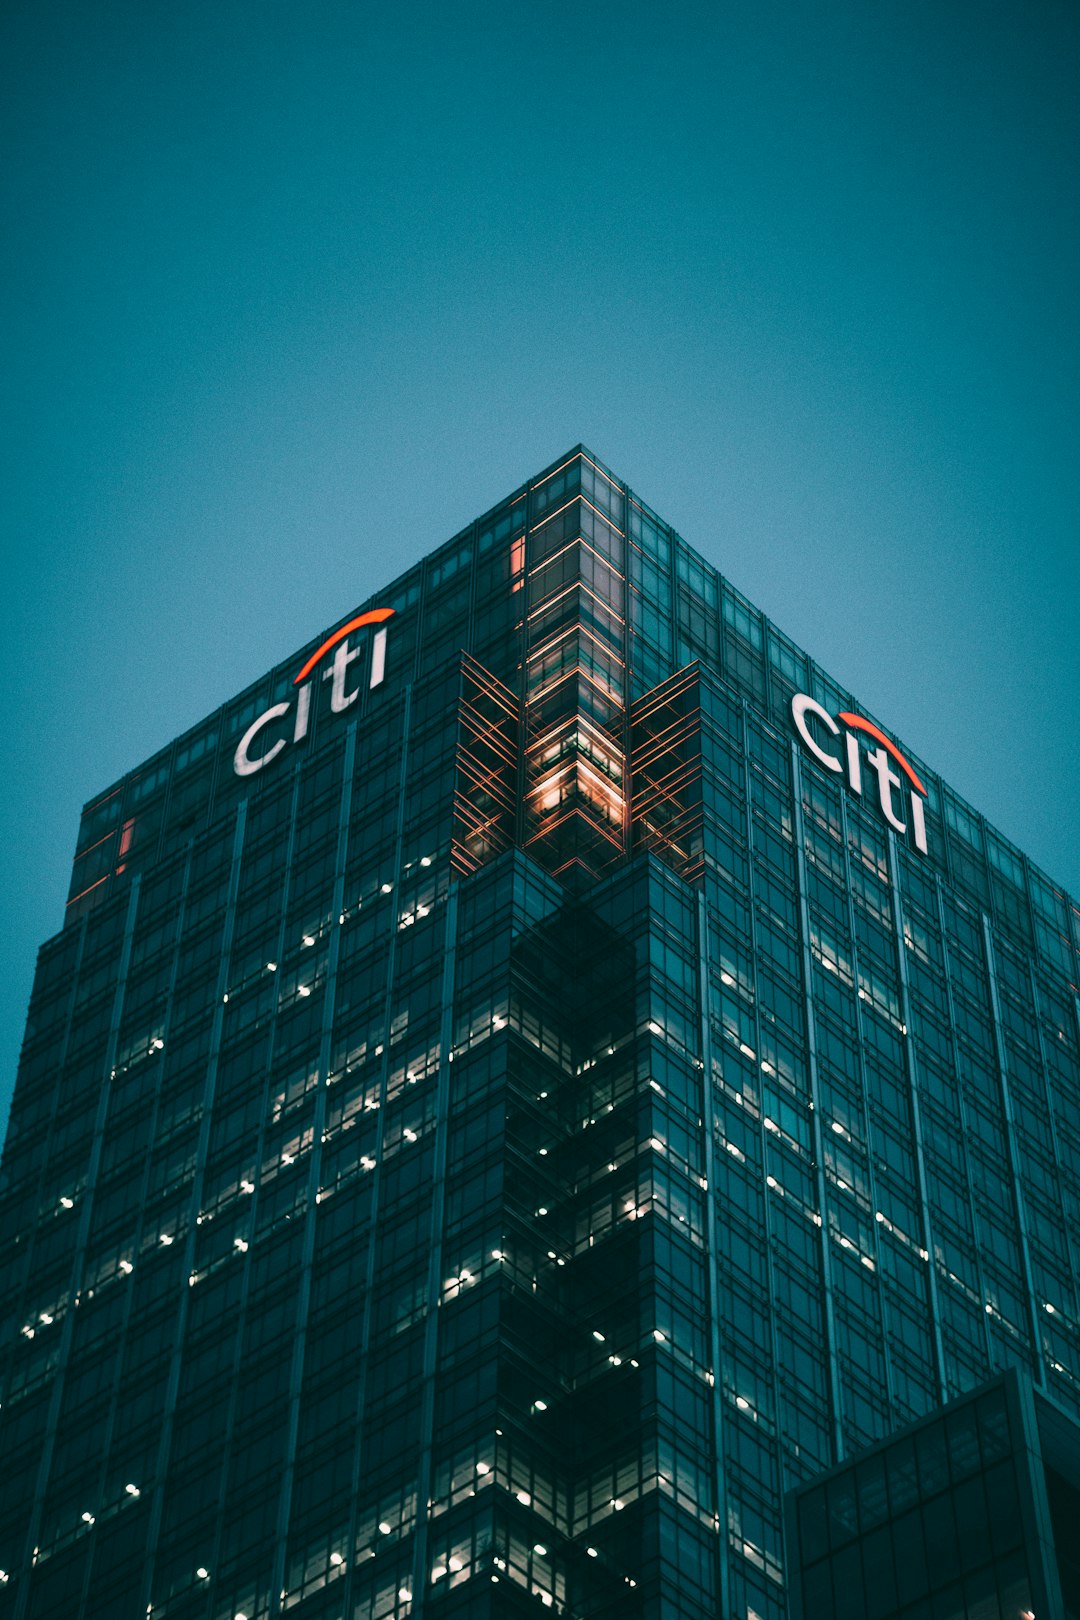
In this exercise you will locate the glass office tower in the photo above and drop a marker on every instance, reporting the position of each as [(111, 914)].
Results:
[(533, 1079)]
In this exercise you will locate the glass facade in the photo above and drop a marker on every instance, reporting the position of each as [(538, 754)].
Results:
[(499, 1116), (971, 1512)]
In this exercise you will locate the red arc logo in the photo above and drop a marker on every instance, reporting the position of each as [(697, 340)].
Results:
[(857, 722), (375, 616)]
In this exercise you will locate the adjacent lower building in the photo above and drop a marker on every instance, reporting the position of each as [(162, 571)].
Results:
[(974, 1510), (534, 1079)]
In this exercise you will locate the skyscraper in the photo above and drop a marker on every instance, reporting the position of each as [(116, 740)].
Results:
[(531, 1080)]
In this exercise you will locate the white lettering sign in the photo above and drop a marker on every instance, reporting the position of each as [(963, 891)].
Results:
[(804, 709), (342, 694)]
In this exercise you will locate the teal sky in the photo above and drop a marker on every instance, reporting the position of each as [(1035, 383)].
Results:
[(292, 291)]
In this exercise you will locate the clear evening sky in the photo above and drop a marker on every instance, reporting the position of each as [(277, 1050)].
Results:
[(293, 291)]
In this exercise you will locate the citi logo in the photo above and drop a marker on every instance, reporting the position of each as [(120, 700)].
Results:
[(803, 708), (245, 763)]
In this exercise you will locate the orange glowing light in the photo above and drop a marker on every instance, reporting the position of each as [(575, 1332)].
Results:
[(81, 892)]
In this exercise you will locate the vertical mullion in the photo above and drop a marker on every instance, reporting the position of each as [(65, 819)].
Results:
[(916, 1119), (299, 1347), (1014, 1161), (831, 1351), (79, 1259), (201, 1156)]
